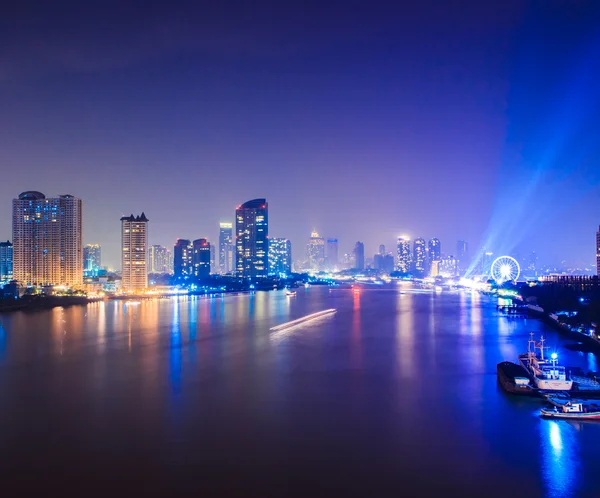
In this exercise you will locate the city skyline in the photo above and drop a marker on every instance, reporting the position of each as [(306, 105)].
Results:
[(430, 125)]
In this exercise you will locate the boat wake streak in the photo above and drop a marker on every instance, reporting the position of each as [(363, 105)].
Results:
[(302, 320)]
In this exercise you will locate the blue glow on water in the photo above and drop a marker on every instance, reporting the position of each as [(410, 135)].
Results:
[(560, 457)]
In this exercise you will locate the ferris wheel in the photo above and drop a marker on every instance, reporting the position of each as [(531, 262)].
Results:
[(505, 269)]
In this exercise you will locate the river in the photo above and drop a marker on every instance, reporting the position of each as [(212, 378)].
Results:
[(394, 394)]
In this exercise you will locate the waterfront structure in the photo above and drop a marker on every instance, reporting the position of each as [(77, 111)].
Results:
[(251, 239), (47, 239), (419, 256), (280, 256), (404, 257), (448, 266), (6, 261), (315, 252), (92, 259), (598, 252), (159, 260), (359, 256), (225, 247), (134, 252), (182, 258), (332, 254), (201, 258)]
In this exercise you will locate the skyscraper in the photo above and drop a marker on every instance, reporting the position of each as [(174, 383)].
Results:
[(359, 256), (182, 258), (6, 261), (225, 247), (47, 239), (134, 252), (381, 249), (332, 254), (419, 254), (251, 232), (462, 255), (92, 258), (159, 259), (315, 252), (598, 252), (404, 259), (280, 256), (435, 256), (201, 258)]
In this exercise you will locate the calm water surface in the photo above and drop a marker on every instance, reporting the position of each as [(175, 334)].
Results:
[(396, 391)]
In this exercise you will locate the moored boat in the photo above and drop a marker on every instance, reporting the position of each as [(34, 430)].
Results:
[(546, 375), (514, 379), (574, 409)]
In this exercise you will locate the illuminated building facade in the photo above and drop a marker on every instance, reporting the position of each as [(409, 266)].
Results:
[(6, 261), (225, 247), (448, 266), (201, 258), (435, 255), (404, 257), (359, 256), (280, 256), (251, 239), (315, 252), (92, 259), (598, 252), (134, 252), (419, 256), (332, 254), (182, 258), (160, 260), (47, 240)]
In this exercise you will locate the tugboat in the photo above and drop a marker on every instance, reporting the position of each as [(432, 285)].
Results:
[(546, 375), (573, 409)]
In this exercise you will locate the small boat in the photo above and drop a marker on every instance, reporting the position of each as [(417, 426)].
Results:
[(574, 409), (546, 375), (290, 293)]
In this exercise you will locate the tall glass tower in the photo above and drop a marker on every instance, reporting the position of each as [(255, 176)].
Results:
[(419, 254), (225, 247), (251, 239)]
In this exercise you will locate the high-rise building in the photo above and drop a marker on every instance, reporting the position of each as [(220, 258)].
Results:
[(201, 258), (381, 249), (280, 256), (435, 250), (134, 252), (404, 257), (462, 252), (448, 266), (359, 256), (182, 258), (92, 259), (419, 256), (598, 252), (159, 259), (332, 254), (47, 239), (225, 247), (315, 252), (251, 239), (6, 261)]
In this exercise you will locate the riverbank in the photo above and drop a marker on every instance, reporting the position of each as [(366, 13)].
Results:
[(31, 303)]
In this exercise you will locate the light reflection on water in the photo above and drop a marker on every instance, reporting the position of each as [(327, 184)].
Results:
[(560, 457)]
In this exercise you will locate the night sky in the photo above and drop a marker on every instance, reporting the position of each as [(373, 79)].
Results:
[(465, 119)]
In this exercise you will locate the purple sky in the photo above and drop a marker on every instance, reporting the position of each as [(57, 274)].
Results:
[(469, 119)]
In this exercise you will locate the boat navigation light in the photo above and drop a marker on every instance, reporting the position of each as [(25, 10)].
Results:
[(554, 356)]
